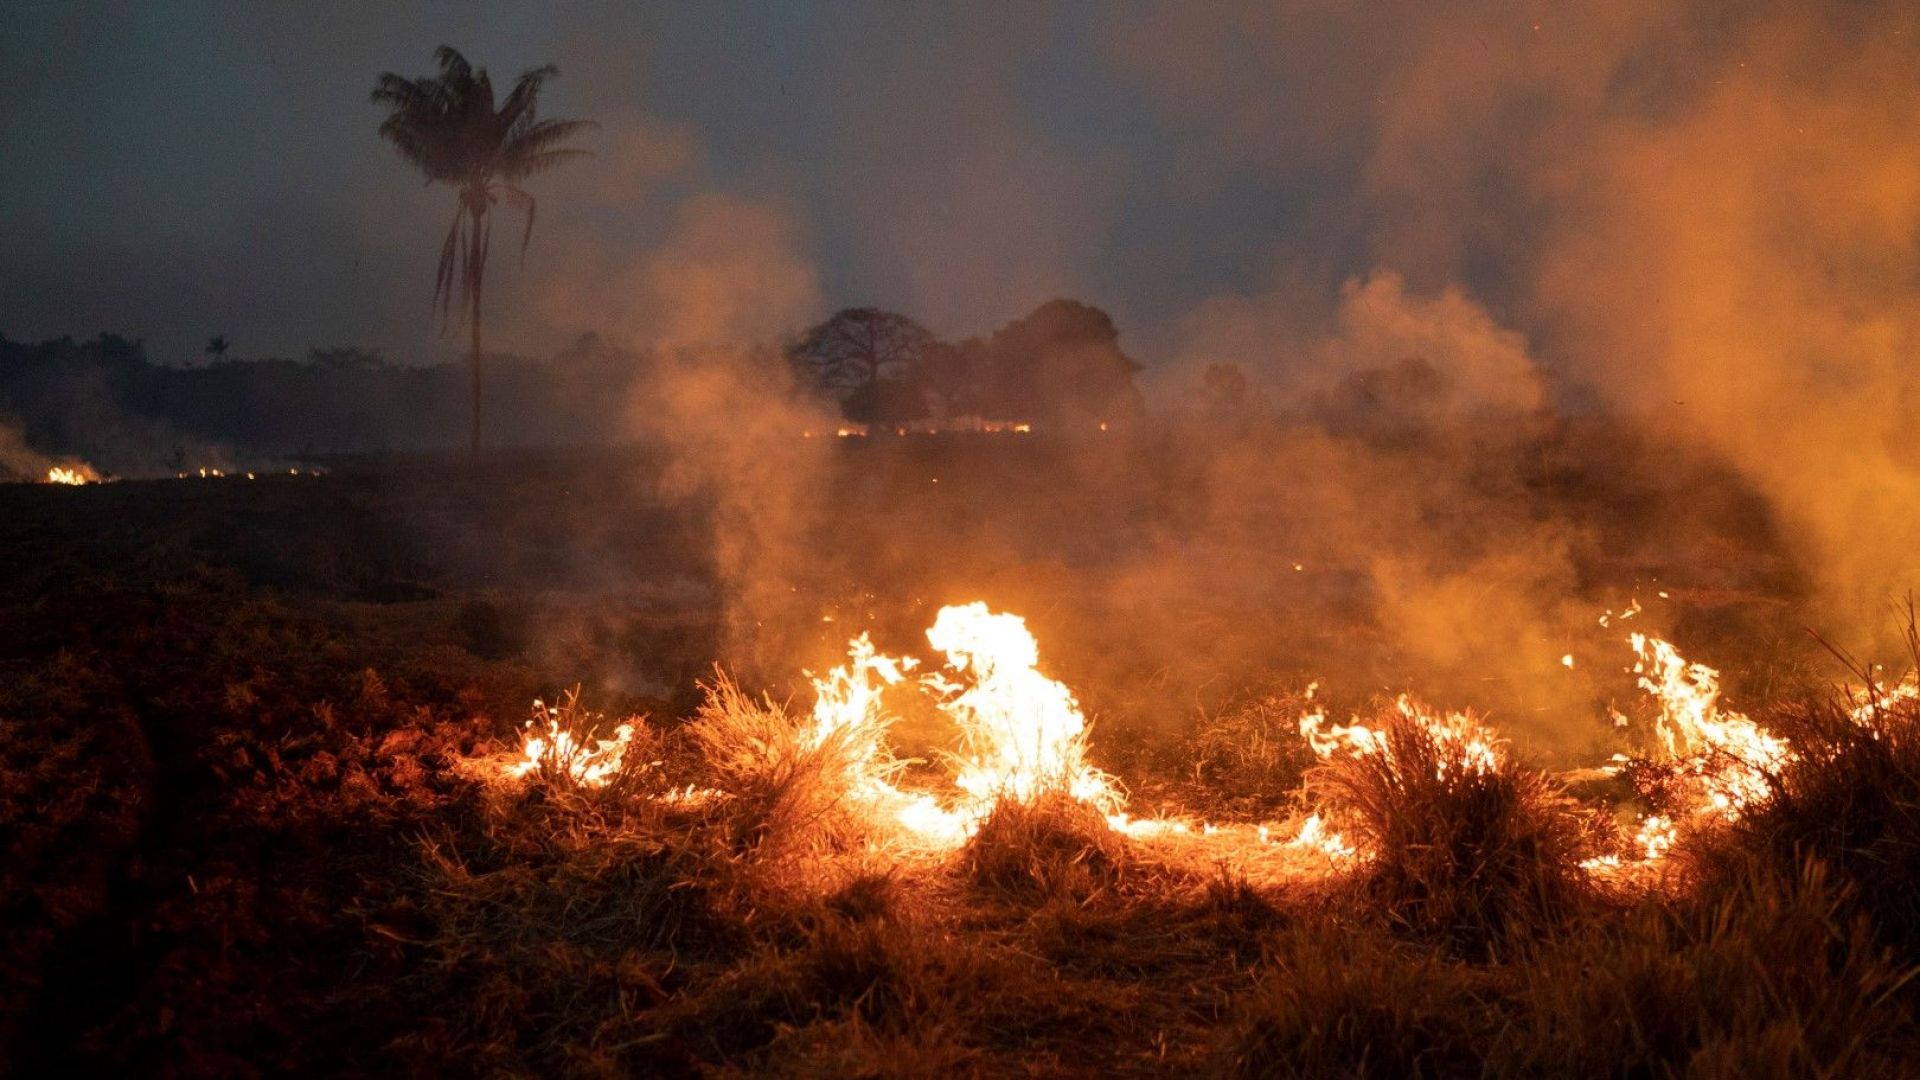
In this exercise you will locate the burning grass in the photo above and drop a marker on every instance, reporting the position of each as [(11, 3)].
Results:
[(1461, 843), (1052, 846), (761, 889), (565, 751), (1444, 908), (1849, 798)]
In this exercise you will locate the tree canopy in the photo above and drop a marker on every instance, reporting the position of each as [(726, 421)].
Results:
[(450, 128)]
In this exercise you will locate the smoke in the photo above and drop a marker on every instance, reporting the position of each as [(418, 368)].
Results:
[(1770, 225), (700, 315), (1383, 527), (1703, 219), (729, 270), (732, 432), (18, 461), (1516, 280)]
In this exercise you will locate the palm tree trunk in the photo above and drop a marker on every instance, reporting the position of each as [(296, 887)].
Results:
[(478, 253)]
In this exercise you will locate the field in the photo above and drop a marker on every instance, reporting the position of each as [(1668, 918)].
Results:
[(259, 816)]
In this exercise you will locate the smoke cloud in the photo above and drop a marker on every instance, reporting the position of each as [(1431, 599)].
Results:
[(1703, 218)]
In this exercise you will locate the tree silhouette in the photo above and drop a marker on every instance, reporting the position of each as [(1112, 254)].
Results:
[(1060, 364), (449, 127), (858, 347), (217, 347)]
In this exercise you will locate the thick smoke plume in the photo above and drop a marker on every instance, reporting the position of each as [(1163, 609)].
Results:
[(1703, 218)]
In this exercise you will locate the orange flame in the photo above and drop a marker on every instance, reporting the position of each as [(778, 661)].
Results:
[(554, 749), (1732, 757), (1024, 732)]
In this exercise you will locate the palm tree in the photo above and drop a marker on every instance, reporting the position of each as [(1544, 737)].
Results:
[(217, 347), (449, 128)]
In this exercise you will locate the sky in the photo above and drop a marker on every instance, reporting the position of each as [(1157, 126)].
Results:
[(1217, 176), (183, 170)]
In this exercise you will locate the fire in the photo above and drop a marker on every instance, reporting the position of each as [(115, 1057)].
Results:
[(1656, 836), (1868, 702), (848, 697), (553, 749), (1024, 732), (1315, 836), (848, 704), (1022, 736), (74, 475), (1731, 756), (1474, 744)]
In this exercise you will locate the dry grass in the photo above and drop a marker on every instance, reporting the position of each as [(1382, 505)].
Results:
[(1249, 761), (1769, 978), (1053, 846), (1460, 851), (622, 760), (1851, 799), (787, 785), (1335, 1001)]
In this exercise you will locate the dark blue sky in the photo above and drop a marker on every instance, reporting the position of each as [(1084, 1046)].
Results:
[(179, 170)]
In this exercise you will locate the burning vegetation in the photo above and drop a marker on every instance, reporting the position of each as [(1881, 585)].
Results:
[(996, 695), (952, 846), (1412, 824), (1411, 786)]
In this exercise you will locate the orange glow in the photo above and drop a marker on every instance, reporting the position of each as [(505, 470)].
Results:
[(1731, 757)]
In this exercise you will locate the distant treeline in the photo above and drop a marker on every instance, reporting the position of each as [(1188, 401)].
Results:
[(1058, 366), (105, 400)]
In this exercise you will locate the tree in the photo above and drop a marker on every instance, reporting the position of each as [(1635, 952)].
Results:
[(217, 347), (449, 127), (1060, 364), (858, 347)]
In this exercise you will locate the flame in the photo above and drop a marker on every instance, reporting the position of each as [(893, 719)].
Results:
[(1870, 701), (1656, 836), (1731, 756), (74, 475), (1315, 836), (848, 703), (1024, 732), (848, 697), (554, 749), (1474, 743), (1023, 736)]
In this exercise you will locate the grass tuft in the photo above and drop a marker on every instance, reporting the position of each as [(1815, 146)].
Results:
[(1052, 846), (1850, 797), (1462, 843), (1333, 1001), (1770, 977), (788, 784)]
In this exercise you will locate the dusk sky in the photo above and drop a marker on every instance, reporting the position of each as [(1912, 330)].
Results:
[(1210, 174), (183, 170)]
